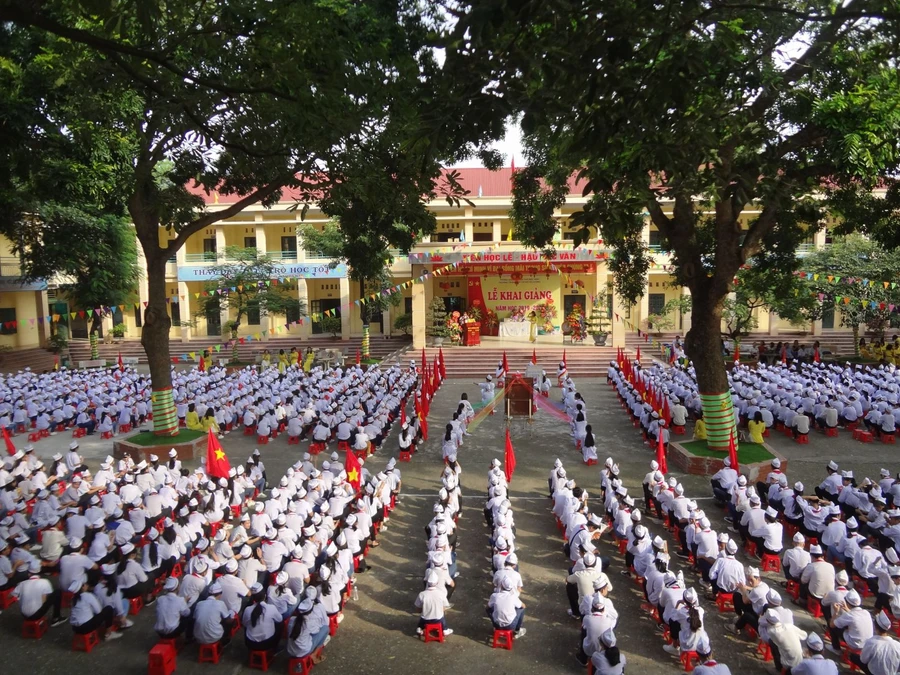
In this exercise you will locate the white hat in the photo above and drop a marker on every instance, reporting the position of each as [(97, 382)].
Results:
[(731, 547), (853, 598), (753, 572), (884, 623), (814, 642), (776, 463)]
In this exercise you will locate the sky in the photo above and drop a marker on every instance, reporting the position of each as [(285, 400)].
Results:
[(510, 146)]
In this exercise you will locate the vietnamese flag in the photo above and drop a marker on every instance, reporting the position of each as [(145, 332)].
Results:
[(816, 357), (533, 356), (783, 354), (661, 452), (638, 355), (202, 366), (443, 366), (217, 464), (732, 452), (505, 363), (424, 361), (423, 425), (121, 364), (354, 472), (565, 365), (509, 458), (10, 448)]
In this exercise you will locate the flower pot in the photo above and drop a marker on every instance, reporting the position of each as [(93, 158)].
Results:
[(438, 341), (600, 339)]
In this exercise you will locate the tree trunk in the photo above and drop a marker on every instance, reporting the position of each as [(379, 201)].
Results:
[(155, 339), (703, 344)]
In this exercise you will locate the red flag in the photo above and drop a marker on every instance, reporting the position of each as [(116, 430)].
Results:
[(10, 448), (638, 355), (217, 464), (533, 356), (732, 452), (351, 466), (566, 365), (357, 357), (202, 366), (424, 361), (509, 458), (816, 355), (443, 367), (783, 354), (505, 363), (121, 364), (661, 453), (423, 424), (56, 362), (436, 374)]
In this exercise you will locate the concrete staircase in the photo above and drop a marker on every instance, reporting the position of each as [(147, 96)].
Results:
[(38, 359), (80, 350), (476, 362)]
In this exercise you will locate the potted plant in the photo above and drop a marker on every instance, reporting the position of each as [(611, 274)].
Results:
[(575, 322), (545, 314), (436, 322), (331, 324), (598, 322), (403, 323), (119, 330), (659, 323), (490, 324), (454, 331)]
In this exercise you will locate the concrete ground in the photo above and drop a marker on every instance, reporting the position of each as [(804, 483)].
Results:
[(378, 634)]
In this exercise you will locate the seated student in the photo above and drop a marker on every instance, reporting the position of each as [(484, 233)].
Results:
[(708, 665), (88, 616), (37, 596), (700, 428), (589, 445), (608, 660), (800, 425), (262, 622), (212, 618), (192, 419), (506, 609), (308, 628), (209, 422), (688, 619), (757, 428), (432, 602), (173, 616)]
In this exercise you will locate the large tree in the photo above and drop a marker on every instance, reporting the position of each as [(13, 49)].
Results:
[(690, 114), (248, 99)]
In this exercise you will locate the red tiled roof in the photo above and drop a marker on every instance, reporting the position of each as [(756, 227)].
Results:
[(492, 184)]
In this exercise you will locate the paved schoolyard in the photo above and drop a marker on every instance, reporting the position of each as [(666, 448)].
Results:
[(377, 635)]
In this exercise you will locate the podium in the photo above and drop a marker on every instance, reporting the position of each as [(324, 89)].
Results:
[(519, 394), (472, 334)]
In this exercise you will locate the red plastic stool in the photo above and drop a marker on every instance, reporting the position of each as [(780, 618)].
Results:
[(66, 599), (294, 440), (249, 431), (725, 602), (405, 456), (34, 437), (434, 632), (678, 430), (332, 625), (889, 439), (259, 660), (161, 660), (764, 650), (7, 599), (770, 563), (210, 653), (793, 589), (845, 657), (124, 428), (176, 570), (502, 639), (814, 607), (135, 605), (86, 642), (861, 587), (106, 435), (750, 547), (667, 635), (623, 545), (831, 431), (803, 439), (34, 630), (851, 426), (79, 432), (688, 659), (301, 666), (262, 440), (316, 448), (343, 446)]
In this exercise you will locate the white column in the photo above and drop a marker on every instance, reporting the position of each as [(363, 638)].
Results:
[(220, 241), (468, 228), (497, 227), (184, 309), (260, 232), (345, 313), (386, 322), (686, 322), (304, 330), (42, 305), (419, 305)]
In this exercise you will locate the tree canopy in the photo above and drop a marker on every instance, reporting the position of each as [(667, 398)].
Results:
[(686, 116)]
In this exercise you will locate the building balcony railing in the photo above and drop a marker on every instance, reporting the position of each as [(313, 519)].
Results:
[(205, 257), (284, 256), (10, 267)]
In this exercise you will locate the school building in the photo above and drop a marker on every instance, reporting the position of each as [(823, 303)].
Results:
[(504, 279)]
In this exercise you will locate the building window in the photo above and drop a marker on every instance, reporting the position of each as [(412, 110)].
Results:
[(209, 248), (249, 242), (8, 321), (655, 240), (289, 244), (407, 305), (656, 303), (445, 237), (175, 311), (253, 313), (138, 318), (482, 236)]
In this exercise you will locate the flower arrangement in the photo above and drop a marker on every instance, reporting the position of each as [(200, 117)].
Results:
[(517, 315), (546, 312), (575, 321), (453, 327)]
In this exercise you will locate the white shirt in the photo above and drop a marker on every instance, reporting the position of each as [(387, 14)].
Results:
[(31, 595), (208, 617), (269, 622), (858, 627), (170, 609), (504, 604), (881, 653), (432, 602)]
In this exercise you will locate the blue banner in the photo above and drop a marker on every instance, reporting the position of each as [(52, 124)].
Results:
[(293, 270)]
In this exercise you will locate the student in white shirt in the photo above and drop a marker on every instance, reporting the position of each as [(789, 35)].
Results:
[(173, 616), (853, 626), (506, 610), (881, 653), (87, 615), (815, 663), (432, 602), (308, 628), (212, 618), (708, 665), (37, 596), (608, 660), (262, 623)]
